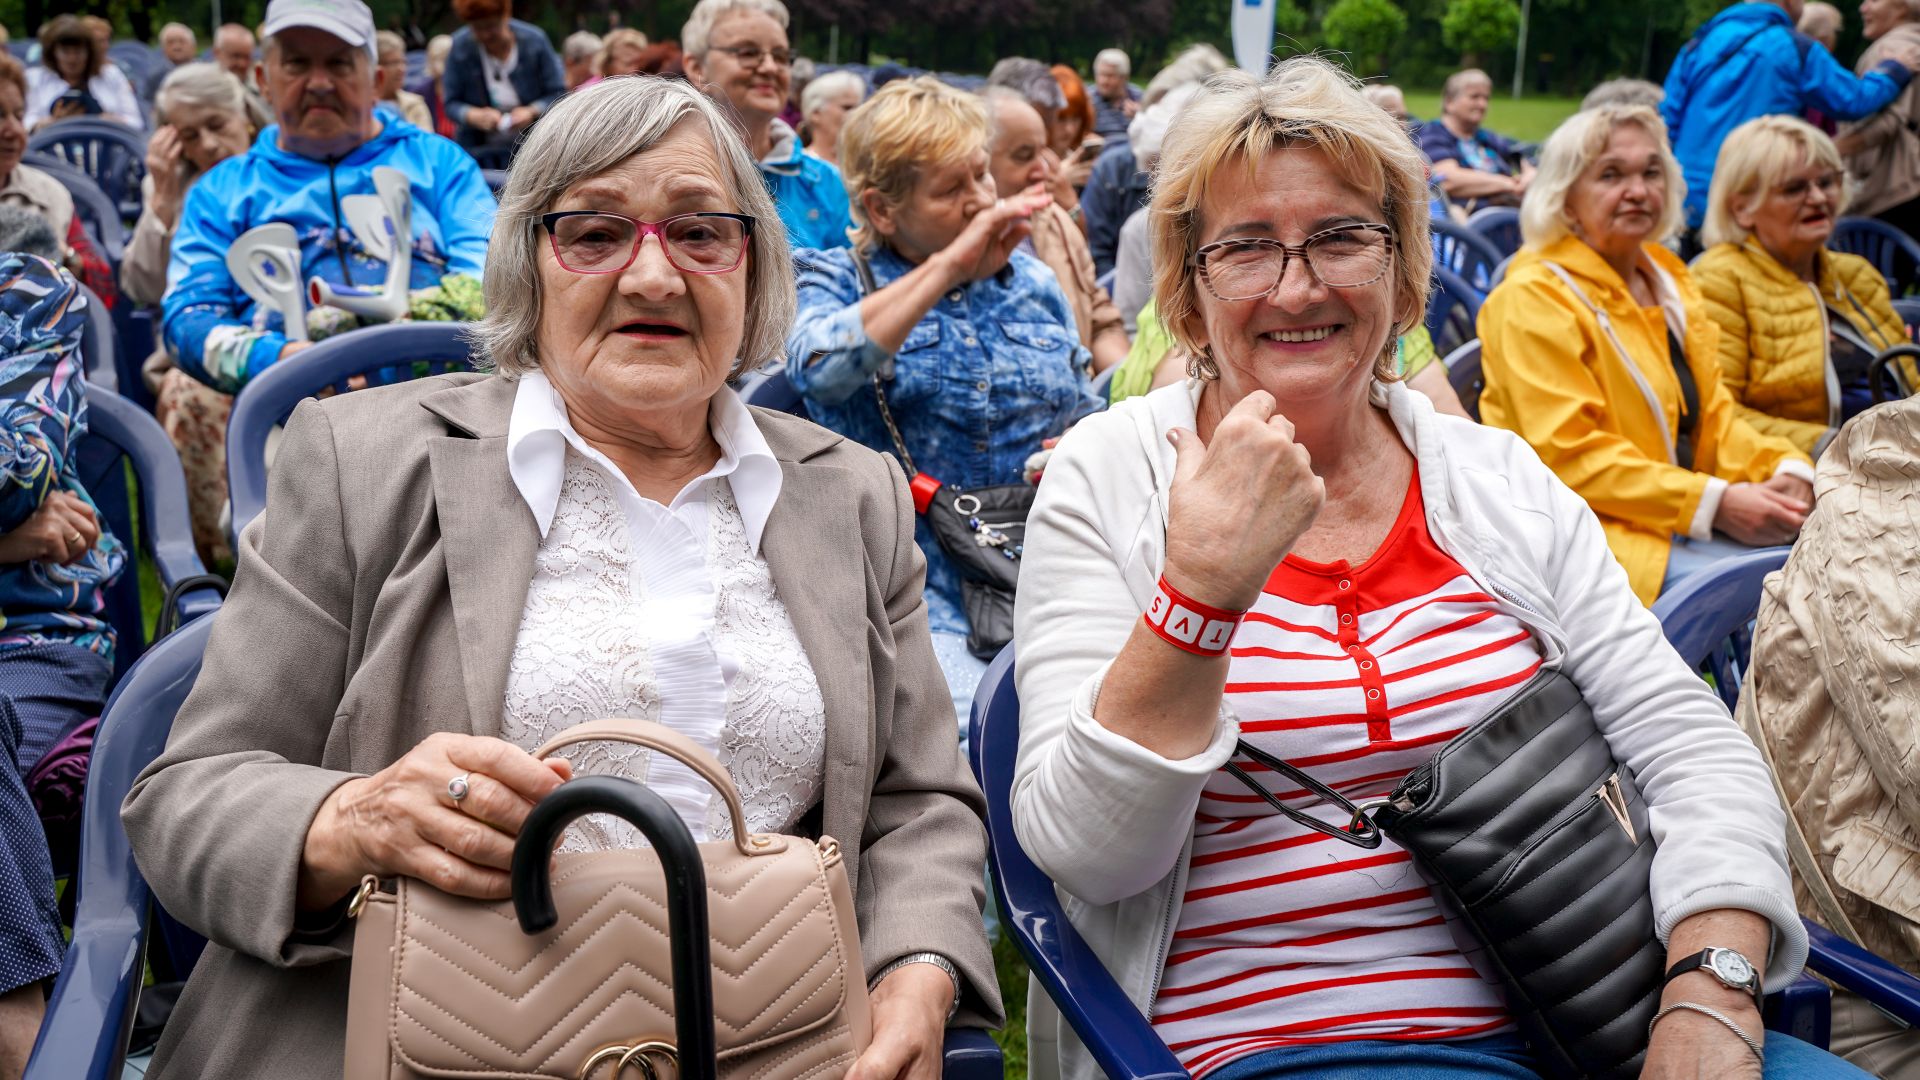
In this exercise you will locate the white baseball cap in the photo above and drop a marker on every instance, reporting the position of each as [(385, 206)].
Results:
[(348, 20)]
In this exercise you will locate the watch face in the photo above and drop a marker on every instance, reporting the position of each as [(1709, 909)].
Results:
[(1732, 968)]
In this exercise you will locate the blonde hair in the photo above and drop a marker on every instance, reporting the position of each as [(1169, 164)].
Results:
[(1576, 144), (909, 125), (1756, 158), (589, 131), (616, 38), (1235, 121)]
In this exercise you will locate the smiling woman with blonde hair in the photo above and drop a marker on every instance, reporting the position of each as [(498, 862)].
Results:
[(1380, 578), (1600, 353)]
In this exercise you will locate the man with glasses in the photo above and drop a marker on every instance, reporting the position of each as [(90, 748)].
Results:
[(319, 71), (737, 51)]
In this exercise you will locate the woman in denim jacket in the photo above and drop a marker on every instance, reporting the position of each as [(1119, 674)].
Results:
[(968, 331)]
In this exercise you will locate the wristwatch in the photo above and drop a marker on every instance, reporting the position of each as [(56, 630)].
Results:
[(1732, 969)]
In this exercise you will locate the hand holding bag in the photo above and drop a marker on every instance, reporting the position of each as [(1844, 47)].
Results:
[(607, 968), (1535, 842)]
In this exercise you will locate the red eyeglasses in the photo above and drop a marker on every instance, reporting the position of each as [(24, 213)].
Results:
[(595, 242)]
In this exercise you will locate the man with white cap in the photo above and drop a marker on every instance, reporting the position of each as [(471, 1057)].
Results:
[(318, 69)]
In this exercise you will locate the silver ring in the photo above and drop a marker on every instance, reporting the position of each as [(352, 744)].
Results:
[(458, 787)]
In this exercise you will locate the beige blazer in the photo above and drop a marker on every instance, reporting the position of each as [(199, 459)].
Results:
[(377, 601), (1059, 243)]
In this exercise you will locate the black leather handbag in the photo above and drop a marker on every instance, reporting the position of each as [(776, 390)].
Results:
[(1535, 842), (981, 530)]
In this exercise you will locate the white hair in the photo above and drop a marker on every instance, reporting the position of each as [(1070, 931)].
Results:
[(1114, 58), (830, 85), (207, 86), (589, 131), (699, 27), (580, 45), (182, 28)]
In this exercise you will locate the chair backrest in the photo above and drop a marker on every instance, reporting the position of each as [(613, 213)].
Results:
[(110, 152), (100, 345), (1452, 311), (121, 434), (1909, 312), (1463, 371), (85, 1033), (98, 214), (1706, 616), (395, 352), (1500, 272), (1892, 252), (772, 390), (1500, 225), (1466, 253), (1120, 1039)]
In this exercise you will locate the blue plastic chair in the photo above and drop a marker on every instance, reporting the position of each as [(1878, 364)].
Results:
[(1463, 371), (395, 352), (1500, 225), (111, 153), (771, 389), (98, 214), (100, 346), (120, 433), (1708, 620), (1453, 310), (91, 1012), (84, 1036), (1466, 253), (1892, 252), (1909, 312)]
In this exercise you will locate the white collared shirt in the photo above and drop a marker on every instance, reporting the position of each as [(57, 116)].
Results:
[(660, 612)]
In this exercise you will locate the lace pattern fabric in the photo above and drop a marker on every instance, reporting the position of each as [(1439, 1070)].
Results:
[(585, 651)]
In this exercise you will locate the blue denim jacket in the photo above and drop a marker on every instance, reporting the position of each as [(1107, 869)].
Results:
[(991, 371)]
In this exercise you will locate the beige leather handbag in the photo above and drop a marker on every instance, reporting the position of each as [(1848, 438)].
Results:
[(444, 986)]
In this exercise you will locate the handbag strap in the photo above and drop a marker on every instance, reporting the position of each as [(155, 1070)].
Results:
[(665, 740), (867, 287), (1360, 831)]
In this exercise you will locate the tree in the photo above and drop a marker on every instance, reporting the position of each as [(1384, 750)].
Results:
[(1478, 27), (1364, 29)]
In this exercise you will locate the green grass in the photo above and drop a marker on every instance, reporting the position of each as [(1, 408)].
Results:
[(1012, 970), (1530, 119)]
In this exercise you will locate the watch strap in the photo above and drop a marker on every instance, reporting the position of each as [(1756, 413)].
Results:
[(1698, 962)]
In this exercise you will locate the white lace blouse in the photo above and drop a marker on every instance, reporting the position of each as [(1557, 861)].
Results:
[(661, 613)]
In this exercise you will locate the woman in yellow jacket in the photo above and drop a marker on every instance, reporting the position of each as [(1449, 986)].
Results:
[(1799, 324), (1598, 352)]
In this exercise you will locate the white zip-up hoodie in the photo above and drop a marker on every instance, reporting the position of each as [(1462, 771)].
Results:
[(1112, 822)]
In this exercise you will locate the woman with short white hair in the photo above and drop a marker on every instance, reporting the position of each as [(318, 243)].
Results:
[(1599, 352), (1800, 326), (1882, 152), (1386, 577), (824, 106), (453, 570)]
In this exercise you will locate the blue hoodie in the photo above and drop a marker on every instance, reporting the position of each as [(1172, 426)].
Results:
[(211, 324), (1749, 61), (808, 192)]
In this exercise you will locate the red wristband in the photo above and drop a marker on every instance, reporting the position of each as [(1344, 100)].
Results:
[(1189, 625)]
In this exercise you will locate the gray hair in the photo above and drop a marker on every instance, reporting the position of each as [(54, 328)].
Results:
[(1114, 58), (580, 45), (388, 41), (1197, 64), (699, 27), (1624, 92), (588, 132), (181, 27), (832, 84), (1458, 82), (1033, 81), (207, 86), (26, 232), (996, 96)]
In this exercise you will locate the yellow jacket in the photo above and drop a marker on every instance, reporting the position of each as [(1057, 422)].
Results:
[(1775, 357), (1605, 423)]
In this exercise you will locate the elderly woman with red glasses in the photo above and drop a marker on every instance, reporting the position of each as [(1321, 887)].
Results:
[(452, 570)]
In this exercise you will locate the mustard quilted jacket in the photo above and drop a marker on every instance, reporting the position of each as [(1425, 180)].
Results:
[(1774, 355)]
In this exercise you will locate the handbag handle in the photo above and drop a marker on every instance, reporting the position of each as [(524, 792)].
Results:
[(686, 877), (665, 740)]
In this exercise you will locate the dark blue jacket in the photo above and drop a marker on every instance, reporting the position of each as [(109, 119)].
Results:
[(537, 76), (1115, 189), (1749, 61)]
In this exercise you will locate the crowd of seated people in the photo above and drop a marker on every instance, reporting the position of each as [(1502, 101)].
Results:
[(1187, 322)]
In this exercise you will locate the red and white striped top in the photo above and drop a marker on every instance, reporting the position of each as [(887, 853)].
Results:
[(1355, 674)]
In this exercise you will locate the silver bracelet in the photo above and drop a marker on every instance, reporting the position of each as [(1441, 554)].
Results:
[(936, 960), (1758, 1054)]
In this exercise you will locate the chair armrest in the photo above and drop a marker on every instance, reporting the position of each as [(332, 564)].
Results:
[(1852, 968), (1803, 1010), (971, 1054)]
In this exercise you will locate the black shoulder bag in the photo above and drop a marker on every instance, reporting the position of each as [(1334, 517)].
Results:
[(982, 530), (1535, 842)]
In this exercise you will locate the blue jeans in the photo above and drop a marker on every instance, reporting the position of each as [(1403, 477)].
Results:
[(963, 671), (1690, 556), (1497, 1057)]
